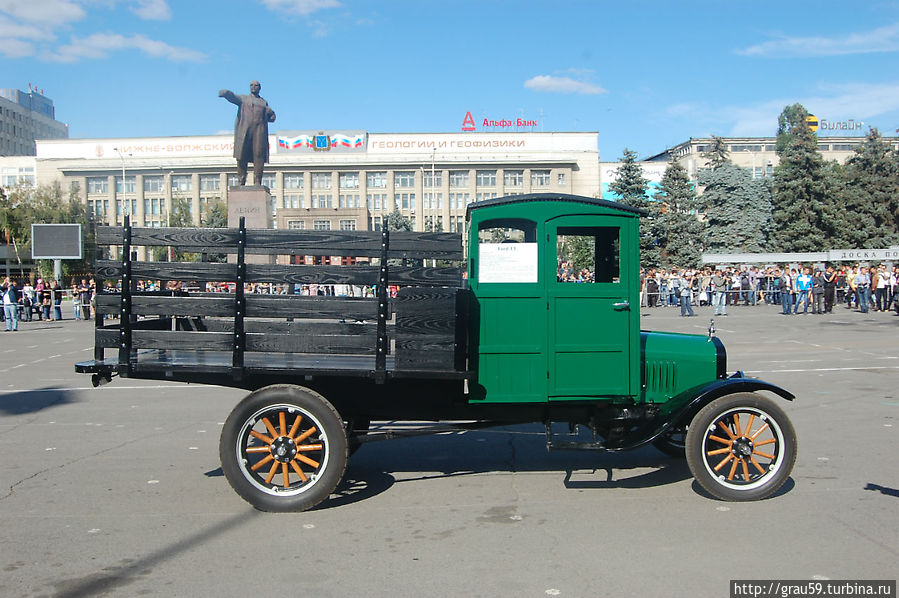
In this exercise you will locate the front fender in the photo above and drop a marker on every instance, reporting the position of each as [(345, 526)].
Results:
[(704, 395)]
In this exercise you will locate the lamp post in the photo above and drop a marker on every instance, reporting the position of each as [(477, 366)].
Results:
[(126, 209)]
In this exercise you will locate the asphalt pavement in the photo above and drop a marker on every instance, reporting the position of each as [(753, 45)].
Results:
[(117, 491)]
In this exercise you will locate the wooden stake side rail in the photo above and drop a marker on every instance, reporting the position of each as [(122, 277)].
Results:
[(424, 332), (411, 245)]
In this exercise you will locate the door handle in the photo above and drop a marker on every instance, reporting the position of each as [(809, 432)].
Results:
[(621, 306)]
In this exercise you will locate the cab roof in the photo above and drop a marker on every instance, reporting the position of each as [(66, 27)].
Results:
[(532, 197)]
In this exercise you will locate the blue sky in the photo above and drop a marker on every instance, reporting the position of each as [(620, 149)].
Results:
[(645, 75)]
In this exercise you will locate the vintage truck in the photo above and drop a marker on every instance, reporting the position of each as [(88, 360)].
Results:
[(514, 334)]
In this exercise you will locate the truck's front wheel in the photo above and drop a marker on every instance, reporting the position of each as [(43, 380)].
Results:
[(741, 447), (283, 448)]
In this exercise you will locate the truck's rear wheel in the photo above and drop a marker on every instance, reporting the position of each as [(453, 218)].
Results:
[(283, 448), (741, 447)]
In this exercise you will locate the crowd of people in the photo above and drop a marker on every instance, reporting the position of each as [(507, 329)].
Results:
[(796, 290), (42, 300)]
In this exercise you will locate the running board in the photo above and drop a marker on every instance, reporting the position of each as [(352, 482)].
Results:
[(569, 445)]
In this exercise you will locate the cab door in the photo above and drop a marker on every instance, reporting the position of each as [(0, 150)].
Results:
[(592, 306)]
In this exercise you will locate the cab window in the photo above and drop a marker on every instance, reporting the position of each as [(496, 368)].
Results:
[(507, 251), (588, 254)]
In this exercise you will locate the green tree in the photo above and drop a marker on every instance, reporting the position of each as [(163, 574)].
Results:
[(801, 202), (216, 216), (630, 187), (677, 228), (871, 196), (718, 154), (396, 221), (737, 209)]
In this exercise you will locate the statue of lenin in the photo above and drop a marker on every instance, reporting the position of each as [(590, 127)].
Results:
[(250, 131)]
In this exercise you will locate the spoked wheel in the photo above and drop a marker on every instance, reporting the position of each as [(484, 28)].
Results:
[(672, 442), (741, 447), (283, 448)]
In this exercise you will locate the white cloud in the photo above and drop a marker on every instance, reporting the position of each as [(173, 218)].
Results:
[(153, 10), (99, 45), (557, 84), (300, 7), (15, 48), (882, 39), (841, 102), (50, 13)]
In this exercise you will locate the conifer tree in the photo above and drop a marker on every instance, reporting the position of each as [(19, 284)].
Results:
[(737, 209), (800, 194), (630, 186), (679, 230), (872, 193)]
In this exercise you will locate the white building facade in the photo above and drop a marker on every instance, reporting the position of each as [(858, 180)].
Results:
[(323, 180)]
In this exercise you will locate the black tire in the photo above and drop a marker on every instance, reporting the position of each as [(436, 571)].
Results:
[(672, 442), (265, 428), (741, 447)]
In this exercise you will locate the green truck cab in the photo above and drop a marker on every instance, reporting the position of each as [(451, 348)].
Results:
[(541, 323)]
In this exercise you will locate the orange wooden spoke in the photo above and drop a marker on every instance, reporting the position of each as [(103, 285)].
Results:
[(271, 474), (310, 447), (719, 451), (307, 460), (262, 462), (749, 425), (723, 461), (745, 469), (295, 426), (721, 440), (733, 469), (271, 428), (756, 463), (305, 435), (765, 455), (299, 471), (737, 424), (258, 449), (726, 430), (764, 442), (285, 474), (261, 437), (759, 431), (282, 419)]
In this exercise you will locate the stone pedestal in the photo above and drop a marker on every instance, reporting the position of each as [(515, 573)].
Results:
[(253, 202)]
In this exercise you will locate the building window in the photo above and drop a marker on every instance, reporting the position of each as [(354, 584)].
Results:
[(130, 184), (96, 184), (321, 180), (842, 147), (486, 178), (292, 201), (296, 225), (293, 180), (349, 180), (210, 182), (432, 201), (321, 225), (376, 223), (270, 180), (233, 181), (182, 183), (322, 201), (458, 178), (347, 225), (561, 179), (154, 184), (459, 200), (540, 178), (376, 201), (376, 179), (433, 180), (480, 196), (349, 200), (403, 179), (513, 178)]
